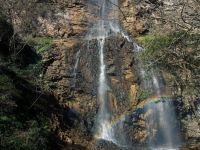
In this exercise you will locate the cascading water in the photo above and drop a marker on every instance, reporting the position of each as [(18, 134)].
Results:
[(164, 132), (100, 31), (76, 67), (106, 26), (163, 121), (104, 116)]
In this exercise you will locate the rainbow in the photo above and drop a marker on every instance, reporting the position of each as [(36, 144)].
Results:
[(141, 107)]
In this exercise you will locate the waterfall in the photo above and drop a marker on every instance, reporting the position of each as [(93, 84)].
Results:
[(76, 67), (161, 117), (163, 114), (104, 116), (107, 25)]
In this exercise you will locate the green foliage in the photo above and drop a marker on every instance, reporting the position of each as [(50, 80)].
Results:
[(23, 127), (6, 83), (26, 136), (18, 129), (153, 46), (156, 45), (32, 71), (41, 44), (177, 54), (143, 94)]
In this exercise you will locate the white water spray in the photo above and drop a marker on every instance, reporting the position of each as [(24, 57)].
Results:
[(168, 136), (161, 119)]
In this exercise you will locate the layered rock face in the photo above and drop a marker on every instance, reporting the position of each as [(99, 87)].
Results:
[(79, 93), (130, 18), (58, 19), (64, 19)]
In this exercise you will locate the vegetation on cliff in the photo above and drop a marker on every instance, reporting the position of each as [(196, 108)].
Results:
[(176, 53), (25, 108)]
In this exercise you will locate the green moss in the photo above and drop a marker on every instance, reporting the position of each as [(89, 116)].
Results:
[(154, 44)]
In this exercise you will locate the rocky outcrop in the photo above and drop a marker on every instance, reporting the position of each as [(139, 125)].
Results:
[(63, 18), (130, 19), (58, 19)]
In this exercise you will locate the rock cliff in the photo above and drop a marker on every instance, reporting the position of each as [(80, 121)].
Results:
[(79, 92)]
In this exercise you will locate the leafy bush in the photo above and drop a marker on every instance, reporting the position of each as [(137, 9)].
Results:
[(32, 71), (19, 128), (18, 136)]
